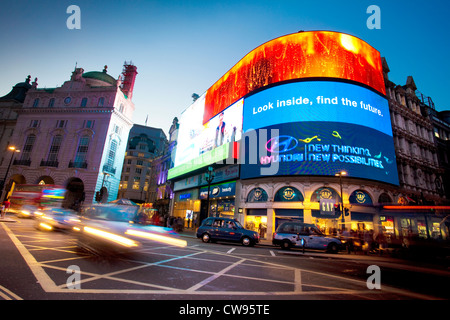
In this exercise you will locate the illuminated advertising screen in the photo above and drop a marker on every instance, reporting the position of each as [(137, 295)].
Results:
[(297, 56), (318, 128), (196, 138)]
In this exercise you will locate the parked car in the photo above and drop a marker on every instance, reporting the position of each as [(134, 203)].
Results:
[(225, 229), (299, 234)]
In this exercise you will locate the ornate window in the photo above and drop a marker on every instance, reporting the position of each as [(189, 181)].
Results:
[(288, 194), (257, 195)]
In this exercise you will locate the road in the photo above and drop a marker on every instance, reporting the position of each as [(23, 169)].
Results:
[(39, 265)]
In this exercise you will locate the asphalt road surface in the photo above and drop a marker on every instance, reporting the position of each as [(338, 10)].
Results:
[(39, 265)]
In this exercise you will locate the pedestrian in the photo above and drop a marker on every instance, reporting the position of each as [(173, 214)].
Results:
[(381, 240), (2, 209), (348, 241), (368, 238), (7, 205)]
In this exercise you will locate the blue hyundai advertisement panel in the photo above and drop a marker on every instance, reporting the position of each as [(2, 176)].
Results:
[(326, 128)]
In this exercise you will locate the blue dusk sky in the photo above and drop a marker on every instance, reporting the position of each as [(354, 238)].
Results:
[(183, 47)]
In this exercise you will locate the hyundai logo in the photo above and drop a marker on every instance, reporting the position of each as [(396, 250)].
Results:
[(281, 144)]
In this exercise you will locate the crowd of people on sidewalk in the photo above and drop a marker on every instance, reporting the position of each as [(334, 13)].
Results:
[(366, 241), (179, 224)]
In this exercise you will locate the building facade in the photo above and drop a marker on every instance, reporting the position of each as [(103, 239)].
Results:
[(144, 145), (291, 133), (75, 135), (8, 118)]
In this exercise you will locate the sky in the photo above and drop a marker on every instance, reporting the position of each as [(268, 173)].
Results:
[(183, 47)]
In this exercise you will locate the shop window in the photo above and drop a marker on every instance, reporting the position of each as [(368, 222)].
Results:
[(257, 195), (384, 198), (288, 194)]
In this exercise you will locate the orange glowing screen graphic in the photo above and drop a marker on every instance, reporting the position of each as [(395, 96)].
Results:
[(295, 56)]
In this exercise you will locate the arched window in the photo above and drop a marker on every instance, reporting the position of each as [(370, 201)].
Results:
[(325, 193), (83, 102), (51, 103), (384, 198), (360, 197), (288, 194), (257, 195)]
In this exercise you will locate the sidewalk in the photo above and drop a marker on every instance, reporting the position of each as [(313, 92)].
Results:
[(417, 265)]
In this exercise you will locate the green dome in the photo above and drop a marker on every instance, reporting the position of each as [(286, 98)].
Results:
[(101, 76)]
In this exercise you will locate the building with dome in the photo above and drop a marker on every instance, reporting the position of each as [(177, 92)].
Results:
[(74, 135)]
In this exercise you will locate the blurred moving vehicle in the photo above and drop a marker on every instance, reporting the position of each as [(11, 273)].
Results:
[(56, 219), (26, 199), (298, 234), (115, 229), (225, 229)]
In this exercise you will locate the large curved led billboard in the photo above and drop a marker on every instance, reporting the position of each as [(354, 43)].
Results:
[(297, 56), (313, 102)]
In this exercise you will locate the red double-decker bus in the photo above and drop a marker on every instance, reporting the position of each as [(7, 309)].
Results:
[(36, 195)]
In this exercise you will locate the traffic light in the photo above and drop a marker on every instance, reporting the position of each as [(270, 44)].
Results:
[(347, 212), (337, 208)]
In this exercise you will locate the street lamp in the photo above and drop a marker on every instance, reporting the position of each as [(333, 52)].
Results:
[(341, 204), (209, 176), (14, 150)]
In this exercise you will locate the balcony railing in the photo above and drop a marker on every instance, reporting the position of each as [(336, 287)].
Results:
[(54, 163), (22, 162), (78, 164)]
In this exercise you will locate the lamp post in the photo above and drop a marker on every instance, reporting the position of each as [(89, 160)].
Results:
[(14, 150), (209, 176), (341, 204)]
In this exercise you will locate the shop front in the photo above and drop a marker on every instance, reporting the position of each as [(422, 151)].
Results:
[(221, 199), (327, 217), (403, 227), (186, 206), (362, 211)]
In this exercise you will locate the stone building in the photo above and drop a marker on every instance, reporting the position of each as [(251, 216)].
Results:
[(417, 160), (75, 135)]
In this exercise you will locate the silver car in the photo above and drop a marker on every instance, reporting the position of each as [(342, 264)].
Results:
[(49, 219), (108, 230), (299, 234)]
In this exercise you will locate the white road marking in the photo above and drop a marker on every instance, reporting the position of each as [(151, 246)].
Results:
[(8, 294), (49, 286), (272, 253), (231, 250)]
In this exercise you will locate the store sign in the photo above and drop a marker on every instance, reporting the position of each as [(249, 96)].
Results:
[(219, 190), (184, 196), (327, 207)]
